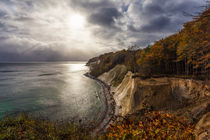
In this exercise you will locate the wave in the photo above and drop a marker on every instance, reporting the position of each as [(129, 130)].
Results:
[(7, 71), (50, 74)]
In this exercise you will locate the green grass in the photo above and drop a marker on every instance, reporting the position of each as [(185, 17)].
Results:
[(25, 127)]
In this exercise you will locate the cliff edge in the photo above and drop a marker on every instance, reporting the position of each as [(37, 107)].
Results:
[(182, 97)]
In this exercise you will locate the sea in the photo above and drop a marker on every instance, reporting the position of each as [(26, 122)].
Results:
[(58, 91)]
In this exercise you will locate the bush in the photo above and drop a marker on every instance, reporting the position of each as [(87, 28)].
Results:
[(155, 125)]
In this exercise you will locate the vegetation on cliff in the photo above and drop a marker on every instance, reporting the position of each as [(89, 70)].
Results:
[(25, 127), (155, 125), (184, 53)]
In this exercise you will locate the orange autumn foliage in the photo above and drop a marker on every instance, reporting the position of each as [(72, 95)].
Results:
[(155, 125)]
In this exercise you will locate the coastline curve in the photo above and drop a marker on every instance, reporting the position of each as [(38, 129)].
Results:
[(111, 109)]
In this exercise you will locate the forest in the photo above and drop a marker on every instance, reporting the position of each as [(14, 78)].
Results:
[(186, 53)]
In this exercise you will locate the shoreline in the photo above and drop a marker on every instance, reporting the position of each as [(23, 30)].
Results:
[(111, 109)]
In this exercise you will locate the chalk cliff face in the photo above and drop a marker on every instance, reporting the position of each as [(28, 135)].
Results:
[(115, 76), (179, 96), (123, 94)]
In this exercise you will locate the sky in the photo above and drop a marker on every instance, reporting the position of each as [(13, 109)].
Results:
[(60, 30)]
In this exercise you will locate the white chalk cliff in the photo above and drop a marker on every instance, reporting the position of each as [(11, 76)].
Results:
[(171, 94)]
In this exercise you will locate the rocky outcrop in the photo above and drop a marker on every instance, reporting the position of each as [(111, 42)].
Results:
[(169, 94)]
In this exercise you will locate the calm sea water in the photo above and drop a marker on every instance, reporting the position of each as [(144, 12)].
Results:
[(58, 91)]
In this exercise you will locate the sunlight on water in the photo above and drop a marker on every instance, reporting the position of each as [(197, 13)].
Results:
[(76, 67), (54, 90)]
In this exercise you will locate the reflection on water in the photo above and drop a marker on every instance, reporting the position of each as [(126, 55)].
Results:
[(54, 90), (75, 67)]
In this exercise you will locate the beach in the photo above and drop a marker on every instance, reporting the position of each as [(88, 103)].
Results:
[(111, 110)]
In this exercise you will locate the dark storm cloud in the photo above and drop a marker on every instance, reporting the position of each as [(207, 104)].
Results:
[(38, 29), (137, 17), (154, 9), (98, 12), (157, 25), (6, 1), (2, 14), (105, 17), (160, 18), (1, 25), (168, 7), (91, 5)]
